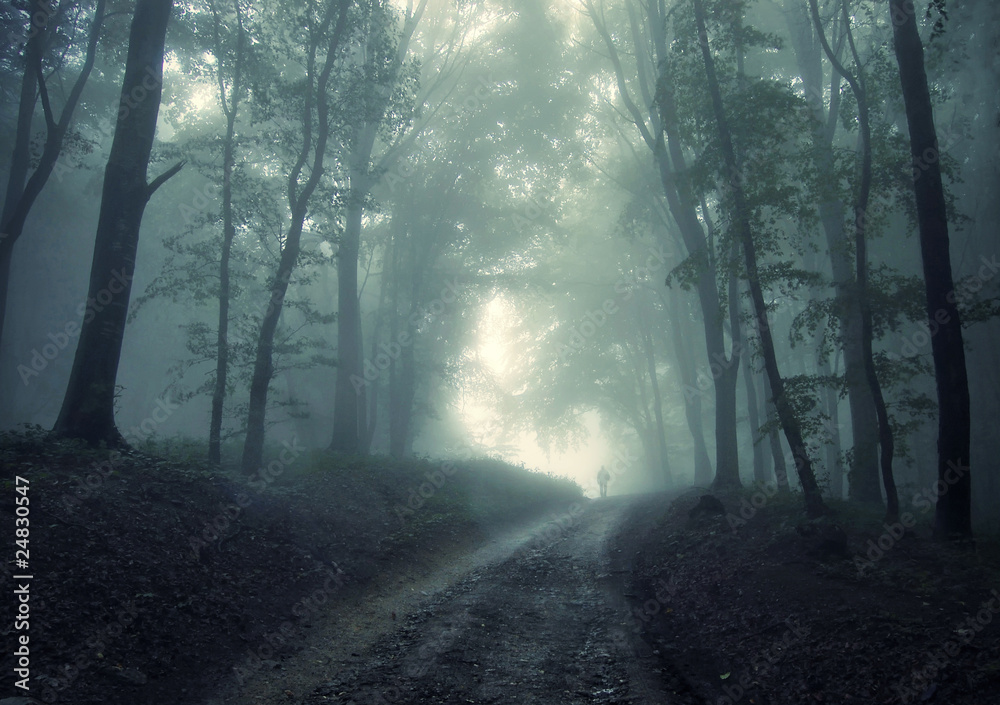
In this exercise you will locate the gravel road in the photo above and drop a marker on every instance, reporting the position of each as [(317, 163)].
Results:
[(539, 617)]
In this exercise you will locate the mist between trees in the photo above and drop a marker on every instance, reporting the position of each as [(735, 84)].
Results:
[(739, 242)]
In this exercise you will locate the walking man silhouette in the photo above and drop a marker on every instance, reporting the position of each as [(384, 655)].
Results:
[(603, 477)]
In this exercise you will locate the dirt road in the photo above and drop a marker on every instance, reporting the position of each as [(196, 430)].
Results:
[(537, 616)]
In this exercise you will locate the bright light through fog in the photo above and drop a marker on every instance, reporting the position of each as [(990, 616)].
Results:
[(484, 424)]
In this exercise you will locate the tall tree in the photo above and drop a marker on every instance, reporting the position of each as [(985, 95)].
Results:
[(230, 71), (660, 131), (741, 218), (953, 514), (861, 294), (23, 191), (88, 407), (384, 72), (863, 476), (316, 125)]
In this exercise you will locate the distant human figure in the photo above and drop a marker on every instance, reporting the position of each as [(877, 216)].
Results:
[(603, 477)]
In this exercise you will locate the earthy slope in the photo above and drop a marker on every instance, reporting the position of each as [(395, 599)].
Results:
[(154, 579)]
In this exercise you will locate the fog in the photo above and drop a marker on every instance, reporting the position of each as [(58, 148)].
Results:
[(497, 249)]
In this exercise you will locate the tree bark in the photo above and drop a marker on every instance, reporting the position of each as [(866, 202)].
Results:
[(953, 516), (88, 407), (760, 475), (834, 467), (773, 437), (348, 406)]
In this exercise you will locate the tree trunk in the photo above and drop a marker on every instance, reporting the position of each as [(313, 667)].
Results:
[(21, 190), (753, 414), (857, 84), (834, 467), (790, 424), (721, 366), (373, 398), (773, 437), (669, 159), (20, 157), (402, 392), (864, 485), (664, 469), (228, 235), (952, 519), (692, 395), (263, 370), (88, 407), (347, 414)]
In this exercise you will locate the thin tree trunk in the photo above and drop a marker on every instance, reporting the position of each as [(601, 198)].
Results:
[(753, 414), (953, 517), (403, 381), (350, 377), (647, 340), (863, 477), (774, 438), (22, 191), (790, 424), (721, 366), (669, 159), (831, 402), (253, 447), (373, 398), (88, 408), (401, 395), (228, 235), (692, 395), (886, 443)]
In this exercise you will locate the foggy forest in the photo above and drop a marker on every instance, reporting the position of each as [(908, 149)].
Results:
[(500, 351)]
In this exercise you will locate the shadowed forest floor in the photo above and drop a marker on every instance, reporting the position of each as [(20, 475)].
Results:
[(167, 582)]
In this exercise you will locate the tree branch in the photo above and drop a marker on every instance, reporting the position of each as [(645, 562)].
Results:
[(163, 178)]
